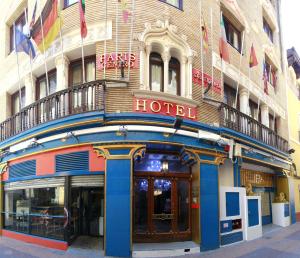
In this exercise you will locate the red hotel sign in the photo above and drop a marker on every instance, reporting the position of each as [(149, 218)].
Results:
[(151, 106), (111, 61), (197, 79)]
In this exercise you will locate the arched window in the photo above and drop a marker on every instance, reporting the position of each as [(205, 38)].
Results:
[(174, 77), (156, 72)]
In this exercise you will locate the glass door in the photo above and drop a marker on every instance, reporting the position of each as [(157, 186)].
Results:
[(161, 207)]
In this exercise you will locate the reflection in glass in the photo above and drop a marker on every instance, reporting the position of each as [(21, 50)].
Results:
[(140, 205), (183, 205), (156, 72), (162, 205)]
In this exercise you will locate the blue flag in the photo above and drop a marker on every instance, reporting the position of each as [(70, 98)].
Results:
[(23, 44)]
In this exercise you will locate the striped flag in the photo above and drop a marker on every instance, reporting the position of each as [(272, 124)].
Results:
[(51, 26), (253, 60), (23, 43), (204, 35), (223, 47), (83, 27)]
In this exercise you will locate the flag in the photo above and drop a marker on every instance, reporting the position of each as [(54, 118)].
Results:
[(125, 10), (51, 26), (223, 48), (23, 43), (274, 77), (83, 27), (204, 35), (33, 16), (253, 60), (265, 78)]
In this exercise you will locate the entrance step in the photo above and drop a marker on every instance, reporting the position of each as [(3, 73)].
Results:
[(165, 249)]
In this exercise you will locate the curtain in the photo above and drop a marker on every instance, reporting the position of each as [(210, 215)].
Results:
[(156, 74)]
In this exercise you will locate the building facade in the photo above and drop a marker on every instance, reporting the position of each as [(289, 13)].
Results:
[(140, 151), (294, 122)]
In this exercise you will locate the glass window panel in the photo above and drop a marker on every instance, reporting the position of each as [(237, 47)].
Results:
[(174, 2), (42, 88), (172, 86), (141, 205), (183, 205), (70, 2), (90, 71), (156, 77), (76, 74)]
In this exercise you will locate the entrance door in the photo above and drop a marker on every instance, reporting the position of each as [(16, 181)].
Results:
[(162, 207)]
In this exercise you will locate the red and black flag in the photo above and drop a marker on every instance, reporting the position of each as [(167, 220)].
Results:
[(253, 60), (83, 27)]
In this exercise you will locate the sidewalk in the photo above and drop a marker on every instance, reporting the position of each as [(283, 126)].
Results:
[(281, 243)]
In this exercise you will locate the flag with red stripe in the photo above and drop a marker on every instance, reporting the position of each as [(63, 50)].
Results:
[(223, 47), (83, 27), (253, 60)]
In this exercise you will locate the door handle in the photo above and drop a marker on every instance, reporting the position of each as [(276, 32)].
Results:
[(163, 216)]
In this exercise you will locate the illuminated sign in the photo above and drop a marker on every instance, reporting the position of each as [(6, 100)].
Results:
[(113, 61), (197, 79), (162, 107)]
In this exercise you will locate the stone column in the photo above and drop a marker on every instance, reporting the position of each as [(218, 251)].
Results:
[(142, 66), (5, 106), (183, 77), (62, 72), (265, 115), (244, 101), (189, 84), (30, 89), (166, 58), (146, 71)]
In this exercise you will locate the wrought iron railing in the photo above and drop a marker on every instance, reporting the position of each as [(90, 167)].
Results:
[(240, 122), (75, 100)]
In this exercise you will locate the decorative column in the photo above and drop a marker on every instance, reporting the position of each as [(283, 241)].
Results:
[(142, 66), (30, 93), (146, 71), (209, 199), (166, 58), (189, 84), (244, 101), (118, 198), (265, 115), (62, 72), (5, 106), (183, 81)]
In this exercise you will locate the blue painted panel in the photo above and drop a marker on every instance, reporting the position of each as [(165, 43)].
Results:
[(292, 200), (286, 210), (23, 169), (117, 239), (232, 204), (125, 151), (253, 215), (237, 173), (75, 161), (207, 157), (209, 208), (231, 238), (226, 226), (265, 220)]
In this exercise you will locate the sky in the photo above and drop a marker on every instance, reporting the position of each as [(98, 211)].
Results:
[(290, 24)]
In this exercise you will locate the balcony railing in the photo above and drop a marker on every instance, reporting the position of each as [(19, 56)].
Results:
[(238, 121), (78, 99)]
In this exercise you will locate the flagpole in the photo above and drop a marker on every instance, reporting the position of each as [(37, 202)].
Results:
[(222, 76), (258, 106), (238, 84), (82, 60), (19, 78), (131, 34), (105, 47), (44, 54), (117, 36), (201, 50), (248, 108), (61, 41), (212, 50)]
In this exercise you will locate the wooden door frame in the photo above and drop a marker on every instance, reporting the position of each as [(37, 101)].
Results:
[(175, 234)]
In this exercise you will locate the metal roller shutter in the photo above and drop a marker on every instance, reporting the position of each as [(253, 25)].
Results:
[(90, 180), (36, 183)]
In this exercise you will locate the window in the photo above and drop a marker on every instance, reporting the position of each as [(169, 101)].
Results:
[(41, 85), (176, 3), (69, 2), (174, 77), (76, 71), (271, 72), (156, 72), (20, 25), (233, 35), (38, 211), (15, 106), (273, 123), (229, 96), (254, 110), (267, 29)]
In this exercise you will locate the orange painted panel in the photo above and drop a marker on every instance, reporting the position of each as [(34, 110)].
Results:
[(96, 163), (45, 164)]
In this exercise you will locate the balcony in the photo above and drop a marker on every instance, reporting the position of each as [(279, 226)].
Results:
[(240, 122), (75, 100)]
